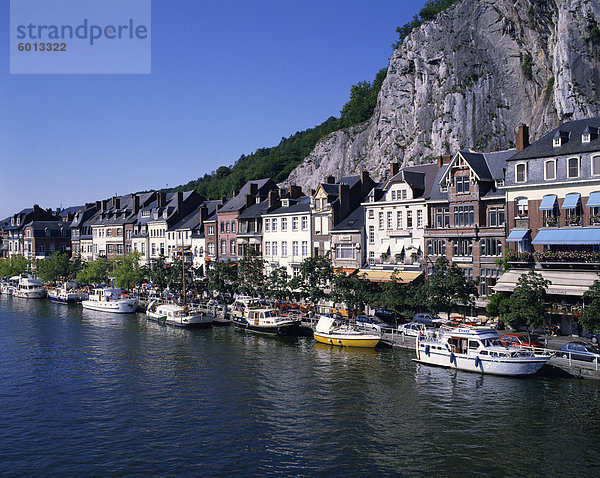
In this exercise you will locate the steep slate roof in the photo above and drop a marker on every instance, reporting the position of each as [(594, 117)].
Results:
[(543, 147), (496, 162), (436, 194), (355, 221), (255, 210), (239, 201), (298, 205)]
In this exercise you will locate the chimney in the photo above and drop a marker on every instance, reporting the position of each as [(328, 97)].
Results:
[(522, 137), (249, 200), (89, 205), (294, 192), (203, 213), (365, 183), (253, 188), (440, 161), (98, 205), (235, 193), (104, 205), (179, 201), (344, 201), (311, 192), (273, 197), (330, 180), (135, 203), (116, 203), (161, 199), (394, 168)]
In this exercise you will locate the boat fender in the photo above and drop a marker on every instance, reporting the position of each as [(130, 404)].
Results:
[(452, 358), (427, 350), (477, 361)]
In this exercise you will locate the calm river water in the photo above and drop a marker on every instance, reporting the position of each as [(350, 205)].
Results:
[(86, 393)]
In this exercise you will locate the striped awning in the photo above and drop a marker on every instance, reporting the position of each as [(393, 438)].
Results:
[(594, 200), (582, 235), (548, 202), (517, 235), (383, 276), (571, 201)]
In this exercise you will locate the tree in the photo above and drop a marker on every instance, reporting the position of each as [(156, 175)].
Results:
[(251, 279), (14, 266), (54, 267), (277, 284), (405, 300), (75, 266), (221, 277), (127, 270), (527, 305), (352, 289), (447, 287), (159, 275), (590, 319), (314, 277), (498, 305), (95, 272)]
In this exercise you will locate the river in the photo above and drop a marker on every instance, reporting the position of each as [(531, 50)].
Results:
[(87, 393)]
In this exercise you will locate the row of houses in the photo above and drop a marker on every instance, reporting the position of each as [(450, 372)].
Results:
[(537, 206)]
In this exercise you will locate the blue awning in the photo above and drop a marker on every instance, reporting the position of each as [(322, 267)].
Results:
[(517, 235), (548, 202), (571, 201), (586, 235), (594, 200)]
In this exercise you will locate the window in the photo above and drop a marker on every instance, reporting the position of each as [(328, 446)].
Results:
[(153, 249), (267, 225), (404, 194), (372, 257), (586, 137), (267, 248), (550, 169), (419, 218), (389, 220), (295, 248), (573, 167), (274, 225), (521, 172), (381, 220), (462, 184), (232, 247), (393, 195), (284, 248), (495, 217), (595, 165), (409, 219), (143, 248), (295, 223), (109, 232), (462, 247), (305, 223), (398, 219), (522, 207), (211, 230), (371, 234), (274, 248), (442, 217), (464, 216), (304, 248), (232, 226), (556, 142), (284, 224), (223, 247), (227, 227), (345, 251), (371, 214), (211, 249), (436, 247), (491, 247)]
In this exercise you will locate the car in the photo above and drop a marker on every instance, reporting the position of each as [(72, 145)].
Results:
[(412, 329), (595, 337), (580, 351), (428, 319), (373, 322), (387, 316), (518, 340)]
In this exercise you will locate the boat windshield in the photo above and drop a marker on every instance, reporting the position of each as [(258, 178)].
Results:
[(490, 342), (269, 313)]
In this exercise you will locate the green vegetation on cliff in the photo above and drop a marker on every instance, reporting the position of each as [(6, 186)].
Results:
[(427, 13), (278, 161)]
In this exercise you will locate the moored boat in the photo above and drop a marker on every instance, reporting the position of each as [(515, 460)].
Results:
[(327, 332), (178, 316), (65, 295), (30, 288), (265, 320), (476, 349), (109, 300)]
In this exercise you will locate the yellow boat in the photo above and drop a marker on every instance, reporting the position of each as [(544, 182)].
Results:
[(344, 336)]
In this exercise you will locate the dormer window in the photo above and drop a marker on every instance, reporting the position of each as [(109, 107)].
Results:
[(560, 138), (556, 143), (12, 221), (590, 133), (585, 138), (285, 203), (462, 184)]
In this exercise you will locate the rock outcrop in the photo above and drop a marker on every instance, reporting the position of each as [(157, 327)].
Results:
[(467, 80)]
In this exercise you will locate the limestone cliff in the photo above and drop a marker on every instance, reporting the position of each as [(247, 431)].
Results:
[(467, 80)]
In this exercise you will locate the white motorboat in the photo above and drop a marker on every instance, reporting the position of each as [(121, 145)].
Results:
[(8, 287), (327, 332), (250, 315), (109, 300), (177, 315), (63, 294), (476, 349), (30, 288)]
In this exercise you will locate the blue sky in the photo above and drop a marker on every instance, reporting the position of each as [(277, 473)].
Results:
[(227, 78)]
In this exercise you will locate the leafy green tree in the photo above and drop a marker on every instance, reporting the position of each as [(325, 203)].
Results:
[(251, 279), (75, 266), (127, 271), (352, 289), (498, 305), (222, 277), (590, 319), (159, 274), (55, 267), (314, 278), (96, 272), (404, 300), (527, 304), (14, 265), (277, 284), (447, 287)]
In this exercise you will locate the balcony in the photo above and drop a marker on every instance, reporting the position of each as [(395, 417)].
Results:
[(522, 222)]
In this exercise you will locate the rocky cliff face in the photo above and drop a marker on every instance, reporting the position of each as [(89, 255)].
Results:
[(467, 80)]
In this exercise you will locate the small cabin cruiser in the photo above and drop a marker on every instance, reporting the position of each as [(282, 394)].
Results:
[(265, 320), (109, 300), (64, 294), (476, 349), (327, 332), (30, 288), (177, 315)]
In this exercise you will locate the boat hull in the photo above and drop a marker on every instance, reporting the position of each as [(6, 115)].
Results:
[(124, 306), (470, 363), (29, 294), (191, 322), (346, 341), (292, 328)]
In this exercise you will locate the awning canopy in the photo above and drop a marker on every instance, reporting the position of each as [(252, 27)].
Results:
[(382, 276), (517, 235), (594, 200), (571, 201), (562, 282), (548, 202), (587, 235)]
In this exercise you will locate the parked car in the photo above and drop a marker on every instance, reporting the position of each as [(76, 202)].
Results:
[(373, 322), (412, 329), (429, 319), (595, 337), (580, 351), (388, 317), (518, 340)]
